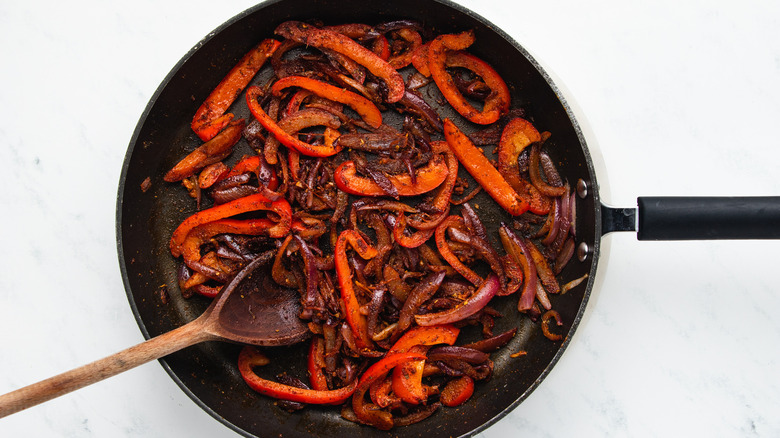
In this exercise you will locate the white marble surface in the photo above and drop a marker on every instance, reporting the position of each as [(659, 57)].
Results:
[(682, 98)]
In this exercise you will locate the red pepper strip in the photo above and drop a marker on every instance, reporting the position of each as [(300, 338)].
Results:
[(428, 178), (382, 47), (441, 201), (457, 391), (251, 357), (199, 235), (448, 255), (381, 393), (407, 378), (499, 98), (210, 152), (211, 174), (364, 107), (428, 335), (420, 60), (355, 319), (241, 205), (367, 413), (296, 101), (403, 59), (286, 139), (483, 171), (316, 364), (324, 38), (409, 241), (210, 117), (249, 227), (518, 135), (308, 228), (496, 104), (256, 164)]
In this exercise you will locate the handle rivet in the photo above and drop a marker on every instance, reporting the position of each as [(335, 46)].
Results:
[(583, 250), (582, 188)]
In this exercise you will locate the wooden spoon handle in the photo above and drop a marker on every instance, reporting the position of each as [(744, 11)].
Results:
[(74, 379)]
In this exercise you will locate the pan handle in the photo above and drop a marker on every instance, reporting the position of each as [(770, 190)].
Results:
[(708, 218)]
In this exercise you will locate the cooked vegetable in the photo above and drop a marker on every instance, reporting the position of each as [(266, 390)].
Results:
[(348, 187)]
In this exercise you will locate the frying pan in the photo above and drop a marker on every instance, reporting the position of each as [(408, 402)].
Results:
[(207, 373)]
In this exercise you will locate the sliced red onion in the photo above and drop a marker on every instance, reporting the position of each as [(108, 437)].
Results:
[(449, 352), (573, 213), (574, 283), (470, 306), (473, 222), (541, 295), (493, 343), (310, 265), (420, 294), (551, 314), (565, 254), (518, 249), (565, 214), (555, 226)]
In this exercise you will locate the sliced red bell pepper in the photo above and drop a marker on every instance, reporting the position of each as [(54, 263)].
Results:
[(477, 164), (257, 165), (448, 255), (382, 420), (428, 335), (381, 393), (518, 134), (212, 173), (251, 357), (401, 60), (407, 378), (364, 107), (420, 60), (428, 178), (210, 152), (355, 319), (409, 241), (325, 38), (210, 117), (446, 50), (457, 391), (499, 98), (241, 205), (285, 138), (190, 249), (296, 101), (316, 364), (441, 201), (381, 47)]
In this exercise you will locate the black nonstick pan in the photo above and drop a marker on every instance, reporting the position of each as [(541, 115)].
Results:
[(207, 372)]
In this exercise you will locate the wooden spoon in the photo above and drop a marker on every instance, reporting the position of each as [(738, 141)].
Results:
[(242, 312)]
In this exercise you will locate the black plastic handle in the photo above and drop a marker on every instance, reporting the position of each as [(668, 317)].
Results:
[(708, 218)]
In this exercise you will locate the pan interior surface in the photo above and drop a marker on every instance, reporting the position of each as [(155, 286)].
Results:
[(146, 219)]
